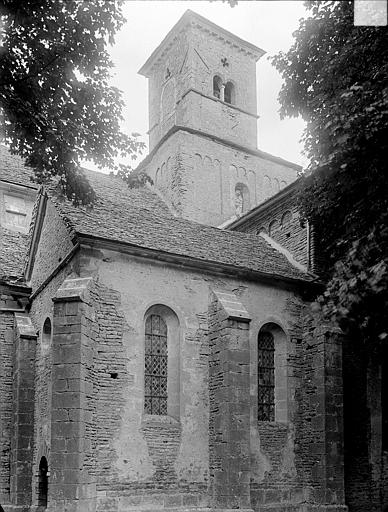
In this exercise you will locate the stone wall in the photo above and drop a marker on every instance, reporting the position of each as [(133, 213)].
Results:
[(42, 308), (366, 471), (319, 417), (198, 176), (275, 476), (72, 483), (54, 245), (280, 218), (181, 89), (229, 402), (150, 461), (6, 370), (23, 392)]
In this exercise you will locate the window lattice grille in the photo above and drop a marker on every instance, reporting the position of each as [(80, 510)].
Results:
[(155, 376), (266, 377)]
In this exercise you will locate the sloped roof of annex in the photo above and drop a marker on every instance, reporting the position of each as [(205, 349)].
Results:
[(14, 175), (138, 218)]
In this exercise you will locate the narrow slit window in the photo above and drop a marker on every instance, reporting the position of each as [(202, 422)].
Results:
[(43, 483), (266, 377), (155, 377)]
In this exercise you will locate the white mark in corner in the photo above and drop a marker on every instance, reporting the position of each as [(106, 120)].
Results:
[(371, 13)]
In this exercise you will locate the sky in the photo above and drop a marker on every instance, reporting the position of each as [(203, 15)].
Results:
[(268, 24)]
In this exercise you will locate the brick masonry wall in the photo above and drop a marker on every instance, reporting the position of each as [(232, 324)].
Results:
[(282, 222), (54, 245), (6, 370)]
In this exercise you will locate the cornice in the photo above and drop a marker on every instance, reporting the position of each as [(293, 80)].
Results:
[(219, 140), (205, 266), (216, 100), (189, 20), (37, 229)]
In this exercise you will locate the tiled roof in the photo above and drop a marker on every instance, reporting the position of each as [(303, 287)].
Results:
[(12, 169), (13, 247), (140, 217)]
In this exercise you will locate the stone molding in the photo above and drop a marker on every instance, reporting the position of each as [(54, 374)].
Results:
[(232, 306), (24, 326), (73, 289)]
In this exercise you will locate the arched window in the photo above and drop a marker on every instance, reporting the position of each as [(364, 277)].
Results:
[(229, 93), (286, 219), (43, 483), (272, 374), (241, 199), (266, 186), (273, 227), (155, 376), (162, 362), (217, 84), (46, 334), (265, 377)]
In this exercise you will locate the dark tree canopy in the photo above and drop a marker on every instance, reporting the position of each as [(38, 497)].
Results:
[(57, 105), (335, 77)]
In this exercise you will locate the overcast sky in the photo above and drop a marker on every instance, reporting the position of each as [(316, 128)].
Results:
[(267, 24)]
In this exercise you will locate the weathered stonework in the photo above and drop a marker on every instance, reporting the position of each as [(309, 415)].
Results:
[(279, 218), (71, 482), (229, 404), (202, 147), (6, 424), (75, 348), (23, 412)]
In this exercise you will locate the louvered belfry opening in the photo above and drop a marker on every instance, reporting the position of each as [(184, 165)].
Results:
[(266, 377), (155, 365)]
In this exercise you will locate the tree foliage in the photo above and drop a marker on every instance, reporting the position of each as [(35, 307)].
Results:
[(57, 105), (335, 76)]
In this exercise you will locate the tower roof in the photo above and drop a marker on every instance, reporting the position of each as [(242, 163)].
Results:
[(191, 18)]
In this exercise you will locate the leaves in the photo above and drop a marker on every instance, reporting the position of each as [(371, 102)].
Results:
[(58, 106), (335, 77)]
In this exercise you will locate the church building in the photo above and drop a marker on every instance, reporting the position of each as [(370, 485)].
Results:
[(157, 351)]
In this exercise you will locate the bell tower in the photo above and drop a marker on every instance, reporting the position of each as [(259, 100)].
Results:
[(203, 123), (203, 77)]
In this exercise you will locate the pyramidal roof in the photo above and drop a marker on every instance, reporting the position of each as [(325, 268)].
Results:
[(191, 18)]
